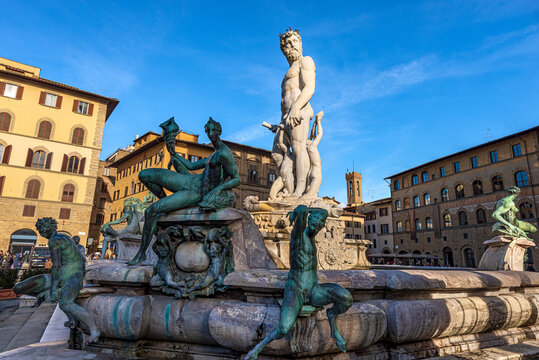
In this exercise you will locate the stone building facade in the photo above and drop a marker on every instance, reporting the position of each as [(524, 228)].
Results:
[(444, 207), (50, 143), (377, 225), (354, 225), (104, 189)]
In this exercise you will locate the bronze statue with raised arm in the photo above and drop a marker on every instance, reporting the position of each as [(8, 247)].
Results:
[(211, 190)]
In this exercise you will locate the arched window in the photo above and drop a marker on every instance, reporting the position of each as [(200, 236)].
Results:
[(477, 187), (426, 199), (469, 256), (424, 176), (1, 151), (447, 220), (459, 191), (406, 203), (416, 201), (32, 190), (525, 210), (481, 216), (351, 188), (463, 218), (73, 164), (497, 183), (399, 226), (521, 178), (406, 225), (417, 224), (396, 185), (45, 129), (428, 223), (357, 188), (68, 192), (448, 257), (22, 240), (5, 121), (445, 195), (398, 205), (39, 159), (415, 180), (78, 136)]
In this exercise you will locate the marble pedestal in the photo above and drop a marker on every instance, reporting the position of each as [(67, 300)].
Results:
[(128, 246), (334, 251), (505, 253)]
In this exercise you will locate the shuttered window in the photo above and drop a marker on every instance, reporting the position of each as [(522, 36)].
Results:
[(5, 121), (82, 107), (78, 136), (73, 164), (32, 191), (6, 154), (45, 128), (29, 210), (39, 159), (65, 213), (68, 192)]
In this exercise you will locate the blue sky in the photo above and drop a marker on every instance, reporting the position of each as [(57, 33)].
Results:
[(401, 83)]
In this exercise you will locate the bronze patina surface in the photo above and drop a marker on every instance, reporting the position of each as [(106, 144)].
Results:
[(303, 293), (506, 217), (211, 190), (64, 282)]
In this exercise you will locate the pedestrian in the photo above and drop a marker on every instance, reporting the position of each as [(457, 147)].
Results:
[(17, 261)]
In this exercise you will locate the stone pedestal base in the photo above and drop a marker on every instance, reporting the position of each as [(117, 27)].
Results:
[(128, 246), (334, 251), (505, 253), (362, 263)]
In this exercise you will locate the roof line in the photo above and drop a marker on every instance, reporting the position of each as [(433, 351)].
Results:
[(536, 128), (111, 102)]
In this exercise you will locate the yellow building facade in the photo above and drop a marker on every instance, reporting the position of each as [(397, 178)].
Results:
[(50, 143)]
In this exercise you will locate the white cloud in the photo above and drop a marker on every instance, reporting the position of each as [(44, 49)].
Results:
[(351, 86), (95, 72), (249, 134)]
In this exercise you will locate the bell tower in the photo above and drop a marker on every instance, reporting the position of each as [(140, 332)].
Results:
[(354, 193)]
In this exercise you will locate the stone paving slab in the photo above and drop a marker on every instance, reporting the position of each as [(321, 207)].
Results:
[(11, 326), (7, 308), (55, 330), (54, 351), (524, 351), (33, 328)]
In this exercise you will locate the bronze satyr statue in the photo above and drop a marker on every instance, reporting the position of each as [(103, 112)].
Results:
[(302, 289), (64, 282), (211, 190), (506, 216), (132, 213)]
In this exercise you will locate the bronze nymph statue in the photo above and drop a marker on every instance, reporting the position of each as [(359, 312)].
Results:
[(506, 216), (211, 190)]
